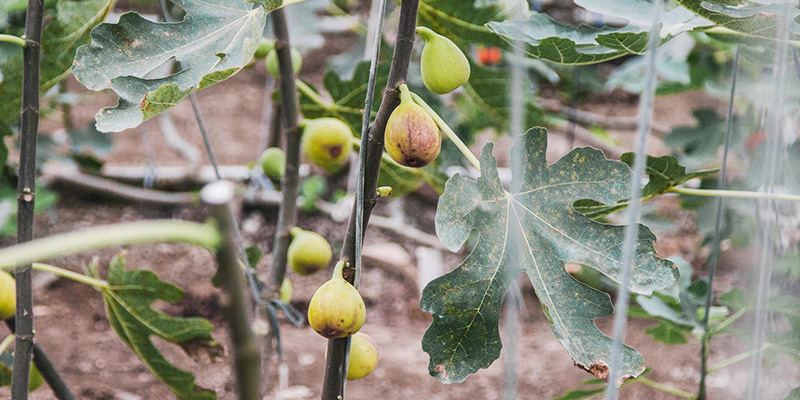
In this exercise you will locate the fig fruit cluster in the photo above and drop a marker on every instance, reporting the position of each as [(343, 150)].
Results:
[(336, 309), (308, 252), (412, 137), (443, 66), (326, 143)]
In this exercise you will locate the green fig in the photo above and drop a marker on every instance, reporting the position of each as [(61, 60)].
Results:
[(412, 137), (35, 379), (326, 143), (264, 47), (336, 309), (8, 296), (443, 66), (272, 61), (363, 356), (308, 252), (273, 163), (286, 291)]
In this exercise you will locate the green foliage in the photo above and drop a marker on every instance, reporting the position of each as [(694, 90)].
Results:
[(664, 173), (311, 190), (697, 146), (488, 88), (534, 230), (348, 96), (211, 43), (253, 254), (762, 20), (462, 21), (128, 299)]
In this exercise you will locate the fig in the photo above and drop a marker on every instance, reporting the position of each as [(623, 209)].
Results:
[(326, 143), (308, 252), (363, 356), (8, 296), (273, 163), (272, 61), (336, 310), (35, 379), (443, 66), (264, 47), (412, 137), (286, 291)]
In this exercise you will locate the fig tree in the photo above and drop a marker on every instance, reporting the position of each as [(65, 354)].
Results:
[(412, 137), (308, 252), (272, 61), (336, 309), (8, 296), (363, 356), (443, 66), (326, 143), (273, 163)]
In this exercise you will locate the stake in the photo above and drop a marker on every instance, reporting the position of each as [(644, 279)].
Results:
[(247, 364), (26, 194)]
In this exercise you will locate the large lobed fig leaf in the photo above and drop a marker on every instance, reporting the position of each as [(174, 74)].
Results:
[(128, 300), (533, 229), (214, 41)]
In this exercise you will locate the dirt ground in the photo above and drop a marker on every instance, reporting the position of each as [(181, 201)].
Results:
[(72, 328)]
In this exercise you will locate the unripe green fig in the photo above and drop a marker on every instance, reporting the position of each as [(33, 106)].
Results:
[(272, 62), (308, 252), (336, 309), (273, 163), (264, 47), (286, 291), (443, 66), (8, 296), (363, 356), (35, 379), (412, 137), (326, 143)]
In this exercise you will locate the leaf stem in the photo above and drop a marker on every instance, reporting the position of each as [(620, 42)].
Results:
[(78, 277), (724, 324), (739, 194), (109, 236), (664, 388), (735, 359), (13, 39), (6, 342), (448, 132), (310, 93)]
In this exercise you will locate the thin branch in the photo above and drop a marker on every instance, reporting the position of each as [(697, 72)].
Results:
[(26, 195), (75, 178), (333, 386), (46, 368), (287, 215), (247, 365)]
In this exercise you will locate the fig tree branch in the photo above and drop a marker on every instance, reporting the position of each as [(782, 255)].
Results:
[(287, 214), (333, 386), (26, 195), (46, 368)]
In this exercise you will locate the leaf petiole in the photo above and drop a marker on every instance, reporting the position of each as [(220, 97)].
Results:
[(96, 283), (663, 388), (6, 342), (13, 39), (107, 236), (738, 194), (447, 131)]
